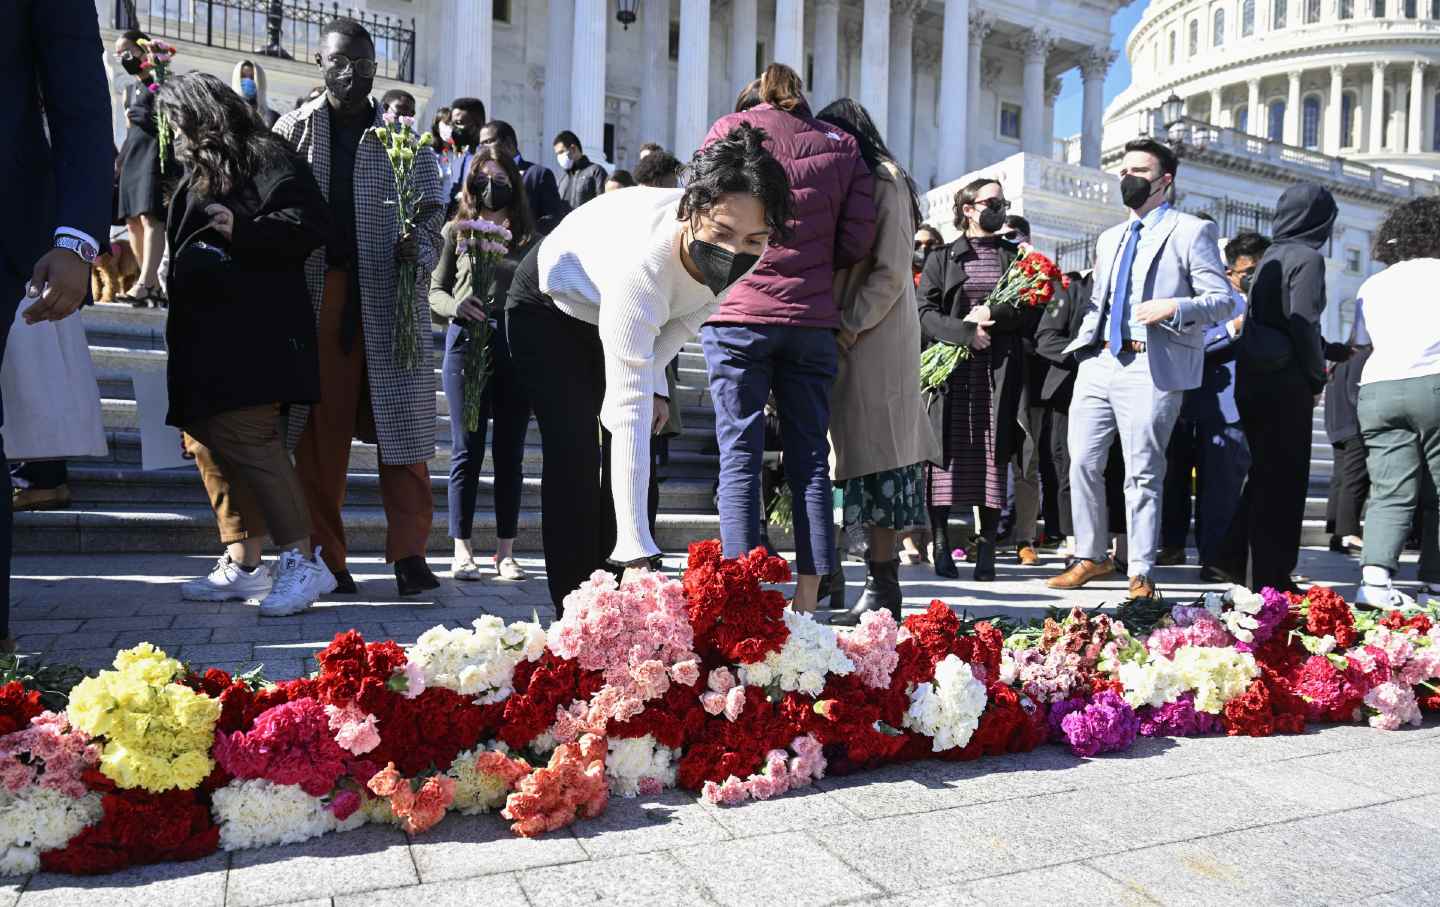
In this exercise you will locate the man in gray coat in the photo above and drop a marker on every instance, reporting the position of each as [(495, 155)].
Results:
[(1159, 284)]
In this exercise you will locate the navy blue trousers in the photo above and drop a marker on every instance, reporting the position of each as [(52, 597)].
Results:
[(1220, 457), (747, 362)]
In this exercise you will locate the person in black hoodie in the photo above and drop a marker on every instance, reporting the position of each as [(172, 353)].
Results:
[(1280, 374)]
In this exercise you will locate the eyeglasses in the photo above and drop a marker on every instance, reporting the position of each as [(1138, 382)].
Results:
[(994, 204), (364, 68)]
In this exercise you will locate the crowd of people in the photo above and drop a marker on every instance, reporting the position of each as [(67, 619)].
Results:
[(792, 245)]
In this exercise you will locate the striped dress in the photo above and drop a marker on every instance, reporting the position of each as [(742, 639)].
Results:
[(971, 476)]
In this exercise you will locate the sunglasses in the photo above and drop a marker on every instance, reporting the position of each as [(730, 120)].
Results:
[(364, 68), (994, 204)]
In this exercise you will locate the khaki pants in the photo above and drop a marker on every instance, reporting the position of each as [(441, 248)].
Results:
[(323, 458), (248, 475)]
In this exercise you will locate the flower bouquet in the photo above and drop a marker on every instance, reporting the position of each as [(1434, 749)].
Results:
[(402, 146), (486, 243), (1028, 283), (158, 55)]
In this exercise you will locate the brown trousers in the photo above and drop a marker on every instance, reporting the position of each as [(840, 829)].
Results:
[(323, 458), (248, 476)]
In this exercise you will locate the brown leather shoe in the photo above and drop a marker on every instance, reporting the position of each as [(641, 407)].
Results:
[(1080, 573), (1142, 587), (41, 499), (1027, 556)]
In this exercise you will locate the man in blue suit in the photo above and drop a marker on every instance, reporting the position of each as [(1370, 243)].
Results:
[(1159, 285), (1209, 439), (55, 179)]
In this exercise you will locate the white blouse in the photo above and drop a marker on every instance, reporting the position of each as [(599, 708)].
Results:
[(1397, 313)]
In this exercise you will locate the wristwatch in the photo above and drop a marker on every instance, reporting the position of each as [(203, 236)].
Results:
[(79, 246)]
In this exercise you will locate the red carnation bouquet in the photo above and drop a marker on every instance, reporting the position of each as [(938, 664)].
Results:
[(1029, 283)]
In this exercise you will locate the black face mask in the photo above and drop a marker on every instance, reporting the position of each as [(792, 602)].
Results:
[(720, 267), (131, 64), (496, 195), (918, 260), (347, 87), (991, 220), (464, 136), (1135, 190), (1246, 280)]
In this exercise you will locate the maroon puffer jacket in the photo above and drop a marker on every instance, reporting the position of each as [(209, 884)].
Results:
[(833, 223)]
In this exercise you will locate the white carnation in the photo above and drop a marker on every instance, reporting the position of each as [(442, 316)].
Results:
[(1215, 674), (478, 662), (947, 709), (258, 813), (39, 820), (630, 761), (810, 653)]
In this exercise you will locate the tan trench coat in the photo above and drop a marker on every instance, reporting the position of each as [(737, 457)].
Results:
[(877, 417)]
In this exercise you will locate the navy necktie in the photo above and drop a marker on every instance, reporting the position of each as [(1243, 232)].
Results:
[(1120, 294)]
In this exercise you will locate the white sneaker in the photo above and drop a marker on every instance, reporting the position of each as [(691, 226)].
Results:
[(510, 569), (1386, 598), (228, 582), (298, 584)]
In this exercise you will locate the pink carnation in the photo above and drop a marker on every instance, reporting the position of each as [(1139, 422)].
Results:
[(721, 680), (686, 673), (871, 646), (344, 804), (734, 703), (290, 744), (49, 754), (355, 730), (1395, 706)]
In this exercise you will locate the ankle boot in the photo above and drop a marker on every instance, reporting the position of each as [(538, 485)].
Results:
[(832, 584), (882, 593), (940, 551), (984, 561)]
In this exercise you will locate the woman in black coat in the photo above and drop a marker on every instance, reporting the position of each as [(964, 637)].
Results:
[(140, 197), (241, 334)]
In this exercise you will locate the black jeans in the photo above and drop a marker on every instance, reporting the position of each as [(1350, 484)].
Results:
[(1277, 421), (560, 365), (1114, 478), (41, 475), (1352, 485), (505, 402)]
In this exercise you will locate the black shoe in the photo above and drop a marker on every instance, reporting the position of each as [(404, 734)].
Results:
[(345, 584), (882, 593), (984, 561), (1170, 557), (1212, 574), (413, 576), (832, 584), (944, 563)]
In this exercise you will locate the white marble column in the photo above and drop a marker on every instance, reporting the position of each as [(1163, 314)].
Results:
[(790, 34), (1399, 92), (923, 145), (1217, 98), (1417, 106), (587, 83), (467, 50), (1331, 138), (744, 26), (1093, 67), (692, 78), (1292, 111), (875, 60), (1377, 108), (1255, 116), (654, 56), (561, 38), (827, 53), (954, 72), (981, 24), (902, 77), (1035, 45)]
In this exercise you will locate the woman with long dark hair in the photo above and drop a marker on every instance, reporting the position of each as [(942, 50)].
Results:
[(241, 335), (140, 200), (493, 191), (595, 313), (978, 410), (878, 427), (776, 329)]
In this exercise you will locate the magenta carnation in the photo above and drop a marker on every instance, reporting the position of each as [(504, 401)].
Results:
[(289, 744), (1106, 724), (1177, 719)]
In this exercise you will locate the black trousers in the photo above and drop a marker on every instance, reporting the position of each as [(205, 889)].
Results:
[(11, 286), (41, 475), (1351, 487), (561, 368), (1277, 423), (1114, 478)]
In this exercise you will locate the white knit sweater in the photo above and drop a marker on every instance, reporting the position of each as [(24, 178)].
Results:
[(615, 262)]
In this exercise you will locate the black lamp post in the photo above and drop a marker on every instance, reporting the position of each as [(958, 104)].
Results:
[(274, 20), (626, 14)]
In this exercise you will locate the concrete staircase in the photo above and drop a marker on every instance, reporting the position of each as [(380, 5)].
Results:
[(118, 507)]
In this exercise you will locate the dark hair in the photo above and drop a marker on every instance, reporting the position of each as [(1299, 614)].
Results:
[(748, 97), (780, 86), (521, 221), (504, 132), (135, 35), (567, 138), (738, 162), (1245, 245), (622, 177), (1206, 216), (226, 142), (966, 196), (1411, 230), (1018, 223), (852, 117), (651, 147), (940, 237), (656, 166), (473, 106), (394, 95), (441, 116), (1169, 161), (344, 25)]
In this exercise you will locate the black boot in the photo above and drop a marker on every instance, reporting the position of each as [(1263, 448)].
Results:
[(832, 584), (882, 593), (413, 576), (940, 552), (984, 561)]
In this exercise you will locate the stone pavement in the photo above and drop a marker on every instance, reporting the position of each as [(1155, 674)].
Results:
[(1337, 814)]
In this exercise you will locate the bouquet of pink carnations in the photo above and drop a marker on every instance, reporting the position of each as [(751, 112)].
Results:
[(158, 55), (402, 146), (485, 243)]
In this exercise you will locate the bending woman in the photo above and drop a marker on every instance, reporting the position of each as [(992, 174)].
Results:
[(594, 314)]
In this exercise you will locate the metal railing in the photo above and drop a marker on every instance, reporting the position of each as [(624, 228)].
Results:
[(273, 28), (1075, 254), (1234, 217)]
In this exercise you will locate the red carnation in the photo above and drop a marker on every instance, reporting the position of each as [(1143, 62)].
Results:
[(139, 828), (17, 706)]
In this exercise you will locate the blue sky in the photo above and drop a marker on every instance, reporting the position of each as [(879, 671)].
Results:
[(1067, 108)]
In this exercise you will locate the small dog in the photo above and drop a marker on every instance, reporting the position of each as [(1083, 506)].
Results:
[(115, 272)]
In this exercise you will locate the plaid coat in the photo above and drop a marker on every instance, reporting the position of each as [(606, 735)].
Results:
[(403, 401)]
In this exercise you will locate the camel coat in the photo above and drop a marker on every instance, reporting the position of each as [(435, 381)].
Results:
[(877, 417)]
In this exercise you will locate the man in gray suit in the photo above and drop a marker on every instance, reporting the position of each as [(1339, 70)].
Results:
[(1159, 284)]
